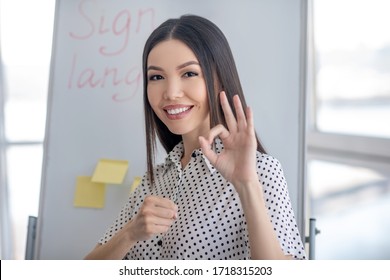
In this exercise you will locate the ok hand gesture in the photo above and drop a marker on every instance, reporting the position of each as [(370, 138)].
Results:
[(237, 162)]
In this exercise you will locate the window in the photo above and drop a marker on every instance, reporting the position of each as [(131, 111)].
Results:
[(26, 37), (349, 135), (352, 67)]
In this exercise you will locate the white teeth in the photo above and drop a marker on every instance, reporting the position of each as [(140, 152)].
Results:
[(177, 111)]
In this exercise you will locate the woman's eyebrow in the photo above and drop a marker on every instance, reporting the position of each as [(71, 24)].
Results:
[(185, 64), (151, 67)]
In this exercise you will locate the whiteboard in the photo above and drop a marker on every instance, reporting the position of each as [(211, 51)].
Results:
[(95, 100)]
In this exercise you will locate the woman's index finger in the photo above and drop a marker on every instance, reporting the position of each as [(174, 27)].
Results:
[(228, 113)]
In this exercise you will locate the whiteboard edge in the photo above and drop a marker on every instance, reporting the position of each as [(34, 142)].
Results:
[(40, 222)]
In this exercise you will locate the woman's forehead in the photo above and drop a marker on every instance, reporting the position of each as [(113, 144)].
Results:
[(170, 53)]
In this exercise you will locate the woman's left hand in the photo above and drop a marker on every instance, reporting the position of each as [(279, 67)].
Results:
[(237, 161)]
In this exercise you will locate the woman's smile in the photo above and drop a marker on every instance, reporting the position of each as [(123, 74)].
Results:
[(176, 112)]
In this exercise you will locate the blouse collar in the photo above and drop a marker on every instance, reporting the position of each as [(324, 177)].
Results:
[(174, 156)]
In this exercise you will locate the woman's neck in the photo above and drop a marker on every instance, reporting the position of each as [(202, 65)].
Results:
[(189, 146), (191, 143)]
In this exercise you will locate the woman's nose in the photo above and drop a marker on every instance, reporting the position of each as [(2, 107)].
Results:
[(173, 89)]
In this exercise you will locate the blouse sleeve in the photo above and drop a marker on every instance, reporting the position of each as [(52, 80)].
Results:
[(277, 201), (126, 213)]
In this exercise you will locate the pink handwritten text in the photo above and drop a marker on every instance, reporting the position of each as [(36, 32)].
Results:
[(102, 37), (109, 76), (96, 23)]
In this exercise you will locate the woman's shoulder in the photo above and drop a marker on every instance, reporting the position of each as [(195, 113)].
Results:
[(266, 160), (270, 170)]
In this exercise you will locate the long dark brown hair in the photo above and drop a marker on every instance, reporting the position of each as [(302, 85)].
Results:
[(213, 52)]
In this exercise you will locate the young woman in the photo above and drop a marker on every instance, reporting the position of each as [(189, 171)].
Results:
[(218, 195)]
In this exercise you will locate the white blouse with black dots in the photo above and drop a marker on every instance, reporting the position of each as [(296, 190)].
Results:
[(211, 223)]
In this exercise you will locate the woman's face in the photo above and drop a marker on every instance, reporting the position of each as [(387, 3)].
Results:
[(177, 89)]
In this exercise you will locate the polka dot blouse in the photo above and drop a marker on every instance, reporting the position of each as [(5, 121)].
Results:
[(211, 223)]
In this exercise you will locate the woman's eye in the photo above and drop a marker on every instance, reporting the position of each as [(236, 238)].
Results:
[(155, 77), (190, 74)]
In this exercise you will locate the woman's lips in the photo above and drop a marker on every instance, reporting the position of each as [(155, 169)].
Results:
[(176, 112)]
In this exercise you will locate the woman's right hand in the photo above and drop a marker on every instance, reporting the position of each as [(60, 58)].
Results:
[(155, 216)]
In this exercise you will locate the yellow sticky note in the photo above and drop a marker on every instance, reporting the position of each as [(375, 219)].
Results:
[(135, 183), (89, 194), (110, 171)]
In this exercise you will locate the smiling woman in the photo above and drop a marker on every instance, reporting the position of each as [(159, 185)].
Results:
[(218, 195)]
